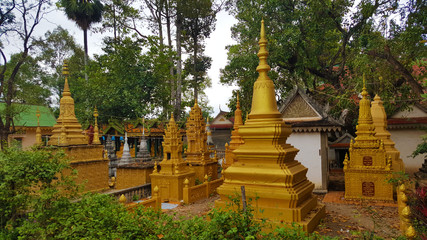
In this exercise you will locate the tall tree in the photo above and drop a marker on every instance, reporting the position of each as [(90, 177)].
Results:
[(23, 17), (198, 21), (322, 45), (84, 13)]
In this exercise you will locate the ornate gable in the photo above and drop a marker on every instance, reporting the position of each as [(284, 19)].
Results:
[(298, 109)]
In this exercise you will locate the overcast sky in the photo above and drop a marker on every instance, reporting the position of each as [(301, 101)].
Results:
[(215, 47)]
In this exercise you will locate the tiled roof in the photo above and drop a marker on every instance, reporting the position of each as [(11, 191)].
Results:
[(26, 115)]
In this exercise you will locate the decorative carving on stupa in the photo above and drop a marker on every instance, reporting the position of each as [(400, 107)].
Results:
[(197, 150), (198, 153), (95, 129), (379, 118), (143, 155), (72, 132), (368, 166), (236, 139), (38, 129), (126, 157), (173, 169), (265, 164)]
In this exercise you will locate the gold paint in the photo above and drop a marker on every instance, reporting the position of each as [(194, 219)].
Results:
[(67, 118), (265, 164), (174, 169), (379, 118), (38, 130), (236, 139), (96, 131), (197, 152), (368, 166)]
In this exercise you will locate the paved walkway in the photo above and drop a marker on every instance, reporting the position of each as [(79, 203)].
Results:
[(338, 197)]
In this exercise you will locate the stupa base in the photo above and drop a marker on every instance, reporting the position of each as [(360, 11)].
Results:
[(307, 215)]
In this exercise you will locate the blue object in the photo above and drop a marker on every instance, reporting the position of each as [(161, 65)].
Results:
[(121, 138), (113, 138)]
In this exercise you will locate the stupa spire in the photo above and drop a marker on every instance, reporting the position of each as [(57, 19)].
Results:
[(365, 128), (263, 100), (67, 117), (96, 130), (237, 114), (38, 130)]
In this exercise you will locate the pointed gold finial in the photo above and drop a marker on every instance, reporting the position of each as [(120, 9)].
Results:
[(172, 120), (195, 101), (364, 92), (264, 98), (38, 130), (238, 114), (95, 129), (65, 72)]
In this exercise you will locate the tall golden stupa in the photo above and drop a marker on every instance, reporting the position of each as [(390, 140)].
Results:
[(265, 164), (236, 139), (67, 118), (198, 153), (87, 159), (174, 170), (368, 167)]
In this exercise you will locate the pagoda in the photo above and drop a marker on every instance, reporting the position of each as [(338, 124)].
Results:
[(236, 139), (265, 164), (67, 118), (368, 167), (198, 153), (379, 118), (87, 159), (174, 170)]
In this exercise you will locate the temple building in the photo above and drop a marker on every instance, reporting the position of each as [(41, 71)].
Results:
[(221, 127), (198, 153), (174, 170), (265, 164), (28, 119), (236, 139), (88, 160), (368, 165), (311, 125)]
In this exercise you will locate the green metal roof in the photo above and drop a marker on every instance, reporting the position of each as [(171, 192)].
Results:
[(26, 115)]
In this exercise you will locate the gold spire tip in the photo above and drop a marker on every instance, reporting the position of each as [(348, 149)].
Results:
[(65, 71)]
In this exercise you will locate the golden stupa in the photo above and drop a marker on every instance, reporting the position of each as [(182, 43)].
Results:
[(379, 118), (174, 170), (88, 160), (67, 118), (236, 139), (368, 167), (265, 164), (198, 153)]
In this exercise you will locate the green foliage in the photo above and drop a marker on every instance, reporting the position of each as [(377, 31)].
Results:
[(31, 180), (326, 47)]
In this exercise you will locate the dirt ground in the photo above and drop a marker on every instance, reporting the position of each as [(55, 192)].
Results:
[(346, 221)]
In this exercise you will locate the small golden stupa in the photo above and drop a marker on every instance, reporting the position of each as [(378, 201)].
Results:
[(368, 167), (379, 118), (67, 118), (236, 139), (38, 129), (265, 164), (198, 153), (174, 170)]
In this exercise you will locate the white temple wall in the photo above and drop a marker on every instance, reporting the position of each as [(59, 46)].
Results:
[(406, 141), (309, 144)]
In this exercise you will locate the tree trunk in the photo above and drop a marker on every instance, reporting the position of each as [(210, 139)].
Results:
[(172, 79), (387, 55), (86, 52), (178, 25), (195, 77)]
